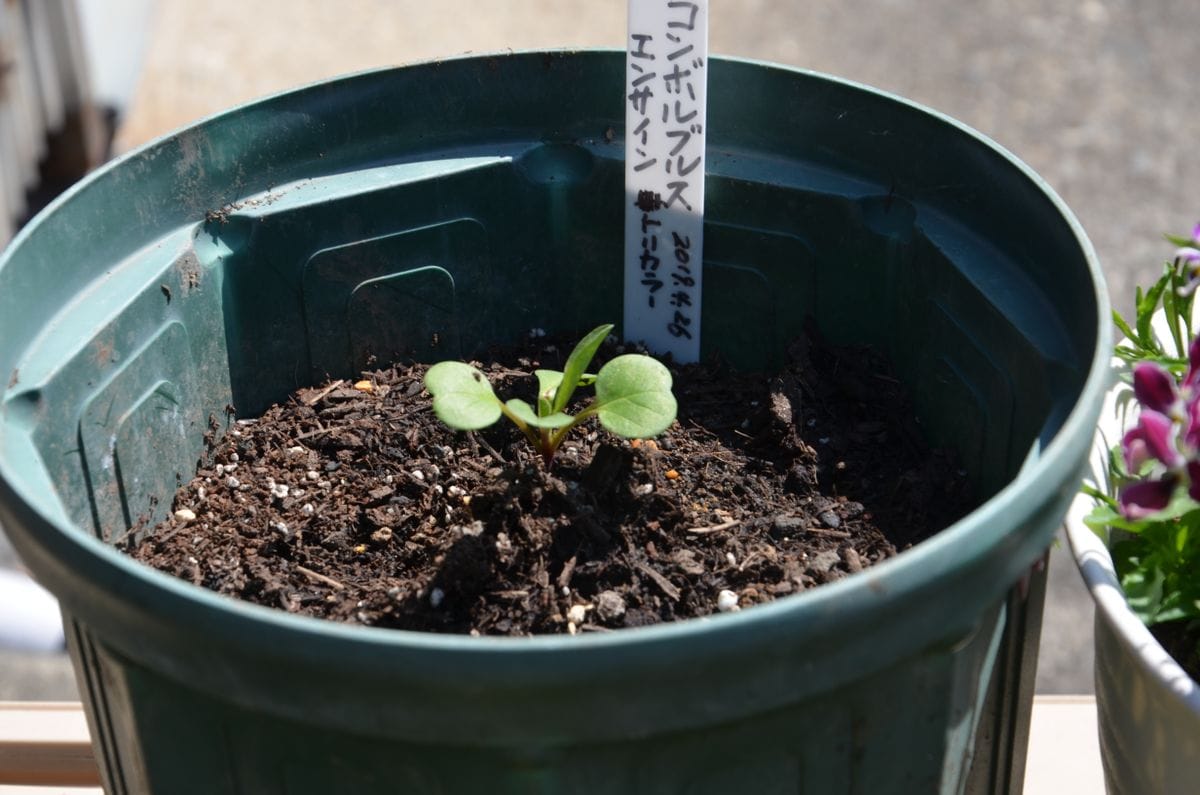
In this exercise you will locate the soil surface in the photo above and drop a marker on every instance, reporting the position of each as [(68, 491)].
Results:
[(1181, 640), (352, 502)]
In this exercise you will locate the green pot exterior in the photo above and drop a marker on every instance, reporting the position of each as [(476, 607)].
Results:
[(444, 206)]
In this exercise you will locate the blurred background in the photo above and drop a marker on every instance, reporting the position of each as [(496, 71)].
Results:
[(1095, 95)]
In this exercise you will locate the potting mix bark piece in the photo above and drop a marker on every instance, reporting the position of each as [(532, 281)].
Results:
[(352, 502)]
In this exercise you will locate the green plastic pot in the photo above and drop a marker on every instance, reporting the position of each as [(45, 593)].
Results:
[(439, 207)]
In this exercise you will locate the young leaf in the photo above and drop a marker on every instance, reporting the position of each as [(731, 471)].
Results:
[(1098, 495), (1141, 581), (1185, 316), (1104, 516), (548, 381), (462, 396), (633, 396), (525, 413), (1123, 326), (577, 362), (1147, 303), (1171, 308)]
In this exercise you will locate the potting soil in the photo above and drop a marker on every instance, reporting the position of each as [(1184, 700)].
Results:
[(350, 501)]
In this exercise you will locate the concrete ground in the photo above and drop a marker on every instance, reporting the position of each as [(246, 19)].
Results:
[(1093, 94)]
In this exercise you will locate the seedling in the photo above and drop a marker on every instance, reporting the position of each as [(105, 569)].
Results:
[(633, 397)]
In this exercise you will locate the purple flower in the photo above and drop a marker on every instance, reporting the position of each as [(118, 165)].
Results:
[(1191, 433), (1157, 436), (1155, 389), (1146, 497), (1166, 437), (1192, 376), (1188, 257), (1135, 450), (1165, 443)]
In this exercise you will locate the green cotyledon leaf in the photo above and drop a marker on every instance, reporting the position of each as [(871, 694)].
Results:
[(462, 396), (633, 396)]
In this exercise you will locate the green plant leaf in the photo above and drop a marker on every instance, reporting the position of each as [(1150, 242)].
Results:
[(1123, 326), (1098, 495), (1156, 566), (1172, 305), (1146, 305), (1185, 317), (525, 413), (462, 396), (1104, 515), (548, 381), (1141, 581), (577, 362), (633, 396)]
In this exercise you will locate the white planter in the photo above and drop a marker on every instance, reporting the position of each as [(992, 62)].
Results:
[(1147, 707)]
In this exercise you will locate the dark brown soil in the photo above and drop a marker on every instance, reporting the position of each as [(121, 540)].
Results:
[(352, 502), (1181, 640)]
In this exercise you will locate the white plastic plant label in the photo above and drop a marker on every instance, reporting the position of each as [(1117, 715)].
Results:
[(666, 91)]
